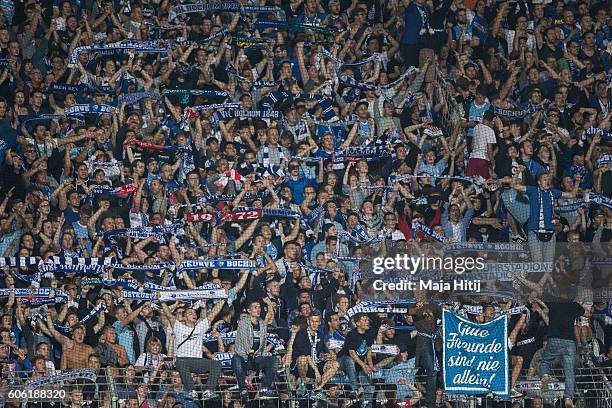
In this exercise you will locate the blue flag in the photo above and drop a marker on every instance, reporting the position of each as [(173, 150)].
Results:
[(475, 355)]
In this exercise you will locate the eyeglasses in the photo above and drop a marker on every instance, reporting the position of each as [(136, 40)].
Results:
[(553, 115)]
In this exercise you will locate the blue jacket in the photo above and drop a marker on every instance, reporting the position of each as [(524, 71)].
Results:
[(413, 24)]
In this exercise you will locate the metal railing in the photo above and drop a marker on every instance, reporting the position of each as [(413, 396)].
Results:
[(133, 387)]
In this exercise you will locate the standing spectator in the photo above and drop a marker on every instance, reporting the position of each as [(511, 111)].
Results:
[(253, 351)]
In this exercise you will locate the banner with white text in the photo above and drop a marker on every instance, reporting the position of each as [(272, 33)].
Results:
[(475, 355)]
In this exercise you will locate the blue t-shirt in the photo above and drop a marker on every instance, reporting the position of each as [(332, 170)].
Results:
[(297, 188)]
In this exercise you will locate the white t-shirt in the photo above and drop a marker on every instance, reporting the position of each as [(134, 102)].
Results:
[(192, 347), (483, 135)]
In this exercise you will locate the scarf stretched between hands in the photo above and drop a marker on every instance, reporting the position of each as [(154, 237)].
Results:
[(80, 109), (132, 98), (197, 92), (193, 112), (150, 146), (224, 6), (241, 214), (121, 191), (230, 114), (592, 131), (514, 113), (324, 102), (599, 199), (292, 27), (417, 225), (151, 46)]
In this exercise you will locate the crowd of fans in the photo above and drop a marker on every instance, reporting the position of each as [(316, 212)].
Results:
[(307, 137)]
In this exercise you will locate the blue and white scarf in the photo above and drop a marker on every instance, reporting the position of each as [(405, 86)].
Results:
[(190, 264), (599, 199), (197, 92), (19, 261), (428, 231), (152, 46), (324, 102), (242, 114), (604, 160), (515, 113), (484, 247), (592, 131), (80, 109), (132, 98), (202, 8)]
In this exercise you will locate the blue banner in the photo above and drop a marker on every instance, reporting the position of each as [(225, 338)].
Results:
[(475, 355)]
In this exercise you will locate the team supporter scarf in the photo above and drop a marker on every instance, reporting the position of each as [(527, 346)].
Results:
[(79, 261), (174, 295), (273, 212), (592, 131), (293, 27), (514, 113), (384, 306), (191, 264), (121, 191), (63, 88), (143, 232), (80, 374), (24, 278), (324, 102), (150, 146), (218, 218), (478, 181), (230, 114), (130, 284), (343, 236), (202, 8), (231, 197), (19, 261), (35, 302), (248, 42), (306, 159), (386, 349), (428, 231), (568, 208), (197, 92), (359, 152), (194, 112), (224, 6), (484, 247), (152, 267), (225, 358), (71, 268), (315, 272), (153, 46), (604, 159), (341, 63), (27, 292), (599, 199), (81, 109), (132, 98), (351, 82), (252, 9), (434, 133)]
